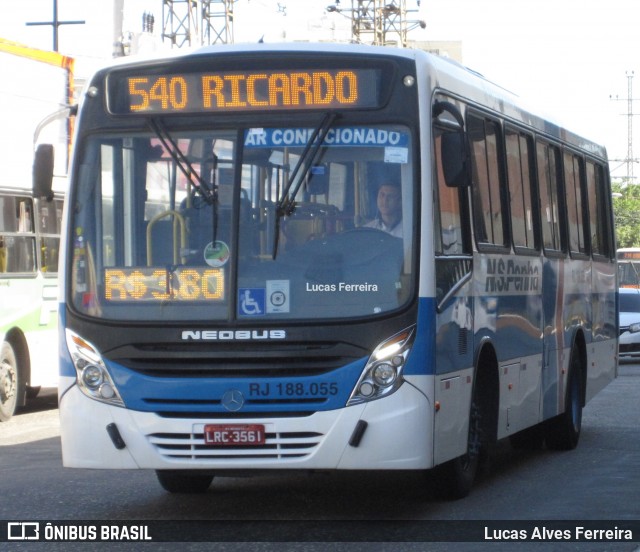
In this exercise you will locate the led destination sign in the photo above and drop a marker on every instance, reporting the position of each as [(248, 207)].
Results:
[(204, 91), (629, 255)]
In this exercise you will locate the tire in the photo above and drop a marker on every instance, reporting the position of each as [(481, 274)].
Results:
[(563, 431), (459, 474), (184, 481), (9, 382)]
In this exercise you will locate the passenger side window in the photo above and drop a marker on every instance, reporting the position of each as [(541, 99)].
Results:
[(488, 208), (599, 202), (17, 240), (519, 167), (575, 203), (49, 220), (549, 182)]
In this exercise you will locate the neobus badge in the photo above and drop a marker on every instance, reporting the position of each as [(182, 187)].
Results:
[(231, 335)]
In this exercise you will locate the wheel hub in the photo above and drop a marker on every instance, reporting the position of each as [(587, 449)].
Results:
[(7, 382)]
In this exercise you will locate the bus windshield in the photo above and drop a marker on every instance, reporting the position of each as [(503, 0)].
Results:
[(187, 225)]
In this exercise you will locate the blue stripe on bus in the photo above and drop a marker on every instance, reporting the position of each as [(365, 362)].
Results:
[(421, 360), (322, 392), (327, 391), (261, 394), (65, 366)]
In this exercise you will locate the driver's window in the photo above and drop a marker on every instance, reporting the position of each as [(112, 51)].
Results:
[(448, 235)]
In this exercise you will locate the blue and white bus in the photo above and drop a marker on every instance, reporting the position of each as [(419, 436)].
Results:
[(319, 257)]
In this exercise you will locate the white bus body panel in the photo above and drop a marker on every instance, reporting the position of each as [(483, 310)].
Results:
[(43, 344), (453, 397), (520, 395), (598, 374), (398, 436)]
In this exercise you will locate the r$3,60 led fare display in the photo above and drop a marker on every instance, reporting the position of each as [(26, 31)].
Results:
[(191, 92), (155, 284)]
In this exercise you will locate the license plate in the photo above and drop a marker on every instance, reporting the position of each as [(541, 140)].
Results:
[(234, 435)]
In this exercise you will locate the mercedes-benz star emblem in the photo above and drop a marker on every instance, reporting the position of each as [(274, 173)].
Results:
[(233, 400)]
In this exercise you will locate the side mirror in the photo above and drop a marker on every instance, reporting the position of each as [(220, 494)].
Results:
[(454, 150), (43, 172), (454, 159)]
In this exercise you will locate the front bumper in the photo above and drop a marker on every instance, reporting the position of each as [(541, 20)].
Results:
[(398, 435)]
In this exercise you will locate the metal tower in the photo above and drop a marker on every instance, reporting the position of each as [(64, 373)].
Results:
[(380, 22), (197, 22), (630, 159)]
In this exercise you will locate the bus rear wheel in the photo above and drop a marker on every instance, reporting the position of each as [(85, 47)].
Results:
[(8, 382), (184, 481)]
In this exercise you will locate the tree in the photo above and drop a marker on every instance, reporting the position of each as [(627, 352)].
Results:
[(626, 209)]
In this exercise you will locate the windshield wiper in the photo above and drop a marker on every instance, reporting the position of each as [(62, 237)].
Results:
[(208, 193), (183, 163), (287, 204)]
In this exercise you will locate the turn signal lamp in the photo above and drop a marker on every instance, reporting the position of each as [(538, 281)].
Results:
[(91, 373)]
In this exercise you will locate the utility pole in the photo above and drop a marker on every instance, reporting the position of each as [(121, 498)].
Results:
[(55, 23), (630, 160)]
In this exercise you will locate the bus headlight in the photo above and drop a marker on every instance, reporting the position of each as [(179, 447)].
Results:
[(91, 373), (92, 376), (634, 328), (383, 373)]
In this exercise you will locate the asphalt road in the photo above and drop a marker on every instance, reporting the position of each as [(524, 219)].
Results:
[(597, 481)]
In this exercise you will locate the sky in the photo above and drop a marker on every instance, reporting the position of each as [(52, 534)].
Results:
[(570, 58)]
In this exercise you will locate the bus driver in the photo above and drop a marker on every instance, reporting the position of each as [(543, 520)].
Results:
[(389, 216)]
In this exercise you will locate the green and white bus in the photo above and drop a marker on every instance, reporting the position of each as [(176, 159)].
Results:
[(29, 245), (34, 112)]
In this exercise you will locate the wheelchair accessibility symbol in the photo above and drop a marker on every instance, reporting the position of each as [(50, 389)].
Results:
[(251, 301)]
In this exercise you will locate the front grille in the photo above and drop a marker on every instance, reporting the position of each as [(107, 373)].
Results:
[(202, 409), (224, 360), (235, 416), (259, 402), (191, 446), (275, 379)]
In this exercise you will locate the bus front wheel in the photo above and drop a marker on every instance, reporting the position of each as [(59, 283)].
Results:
[(8, 381), (459, 474), (563, 431), (184, 481)]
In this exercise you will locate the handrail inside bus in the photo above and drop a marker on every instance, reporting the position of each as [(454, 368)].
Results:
[(180, 225)]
